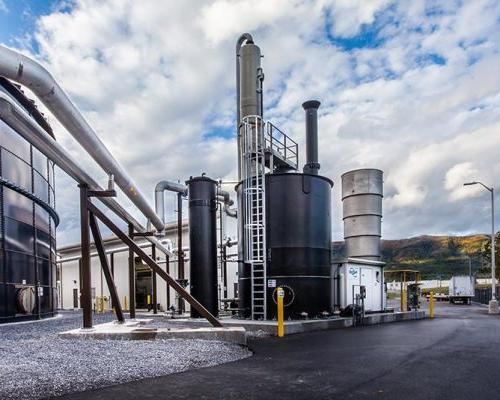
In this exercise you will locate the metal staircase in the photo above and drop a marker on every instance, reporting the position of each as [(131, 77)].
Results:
[(253, 174)]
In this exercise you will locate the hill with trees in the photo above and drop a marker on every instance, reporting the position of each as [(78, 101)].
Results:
[(437, 257)]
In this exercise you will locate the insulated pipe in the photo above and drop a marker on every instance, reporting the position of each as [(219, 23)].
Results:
[(160, 196), (113, 250), (31, 74), (312, 164), (224, 196), (19, 120)]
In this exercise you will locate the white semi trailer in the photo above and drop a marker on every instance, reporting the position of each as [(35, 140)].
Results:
[(461, 289)]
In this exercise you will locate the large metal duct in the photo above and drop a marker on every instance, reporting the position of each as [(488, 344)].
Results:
[(19, 120), (312, 164), (31, 74), (362, 193)]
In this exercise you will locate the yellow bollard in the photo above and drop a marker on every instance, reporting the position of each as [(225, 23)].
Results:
[(125, 306), (431, 305), (404, 306), (96, 305), (281, 323), (103, 304), (149, 299)]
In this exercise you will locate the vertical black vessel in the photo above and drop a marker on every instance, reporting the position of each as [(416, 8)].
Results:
[(27, 221), (298, 235), (203, 242)]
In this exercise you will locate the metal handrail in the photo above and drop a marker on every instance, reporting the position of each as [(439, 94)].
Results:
[(282, 144)]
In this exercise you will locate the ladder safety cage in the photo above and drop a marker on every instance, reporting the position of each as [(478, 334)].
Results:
[(254, 215)]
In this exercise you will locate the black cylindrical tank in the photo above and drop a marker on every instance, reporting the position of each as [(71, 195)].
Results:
[(203, 243), (27, 222), (298, 242)]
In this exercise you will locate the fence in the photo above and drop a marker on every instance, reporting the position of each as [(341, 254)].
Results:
[(483, 295)]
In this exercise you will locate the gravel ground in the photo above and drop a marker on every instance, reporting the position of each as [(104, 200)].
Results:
[(36, 363)]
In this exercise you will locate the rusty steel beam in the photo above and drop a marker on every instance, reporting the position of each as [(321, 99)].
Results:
[(180, 252), (94, 227), (155, 296), (155, 267), (131, 273), (86, 291)]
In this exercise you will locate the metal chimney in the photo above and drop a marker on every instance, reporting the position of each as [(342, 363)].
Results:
[(362, 193), (249, 85), (312, 165)]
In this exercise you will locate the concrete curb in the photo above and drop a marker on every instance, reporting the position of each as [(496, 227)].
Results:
[(293, 327)]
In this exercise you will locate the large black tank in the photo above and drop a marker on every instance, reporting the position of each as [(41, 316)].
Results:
[(298, 236), (27, 222), (203, 242)]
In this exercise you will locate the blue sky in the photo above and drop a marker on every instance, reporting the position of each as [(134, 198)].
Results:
[(411, 88), (18, 18)]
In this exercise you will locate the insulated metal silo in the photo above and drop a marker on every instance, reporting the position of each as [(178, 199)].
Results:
[(27, 221), (362, 193)]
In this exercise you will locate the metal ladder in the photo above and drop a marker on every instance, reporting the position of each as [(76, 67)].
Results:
[(254, 224)]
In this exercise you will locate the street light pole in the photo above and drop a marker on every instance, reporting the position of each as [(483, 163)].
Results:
[(493, 281), (493, 305)]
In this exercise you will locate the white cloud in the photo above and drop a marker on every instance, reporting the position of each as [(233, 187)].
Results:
[(153, 79), (3, 7), (457, 176)]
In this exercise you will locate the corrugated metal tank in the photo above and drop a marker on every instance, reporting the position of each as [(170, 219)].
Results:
[(362, 193), (298, 235), (27, 229)]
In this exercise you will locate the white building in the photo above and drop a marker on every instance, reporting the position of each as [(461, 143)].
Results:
[(351, 275), (69, 274)]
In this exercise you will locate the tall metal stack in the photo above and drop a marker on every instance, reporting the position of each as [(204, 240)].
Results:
[(362, 194)]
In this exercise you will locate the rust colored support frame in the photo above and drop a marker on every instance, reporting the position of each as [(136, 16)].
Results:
[(86, 285), (155, 296), (94, 227), (131, 271), (180, 252), (167, 269), (154, 266)]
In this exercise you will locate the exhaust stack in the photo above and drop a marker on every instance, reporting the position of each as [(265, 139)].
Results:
[(362, 193), (312, 165)]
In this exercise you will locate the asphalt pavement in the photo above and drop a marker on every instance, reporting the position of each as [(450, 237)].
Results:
[(455, 356)]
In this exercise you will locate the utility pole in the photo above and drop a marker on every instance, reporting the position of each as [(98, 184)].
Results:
[(493, 305)]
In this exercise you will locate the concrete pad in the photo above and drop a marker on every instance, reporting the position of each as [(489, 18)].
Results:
[(134, 330), (301, 326)]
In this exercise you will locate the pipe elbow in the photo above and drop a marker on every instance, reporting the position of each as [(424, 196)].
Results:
[(170, 186), (26, 71), (245, 37), (231, 212), (225, 196)]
